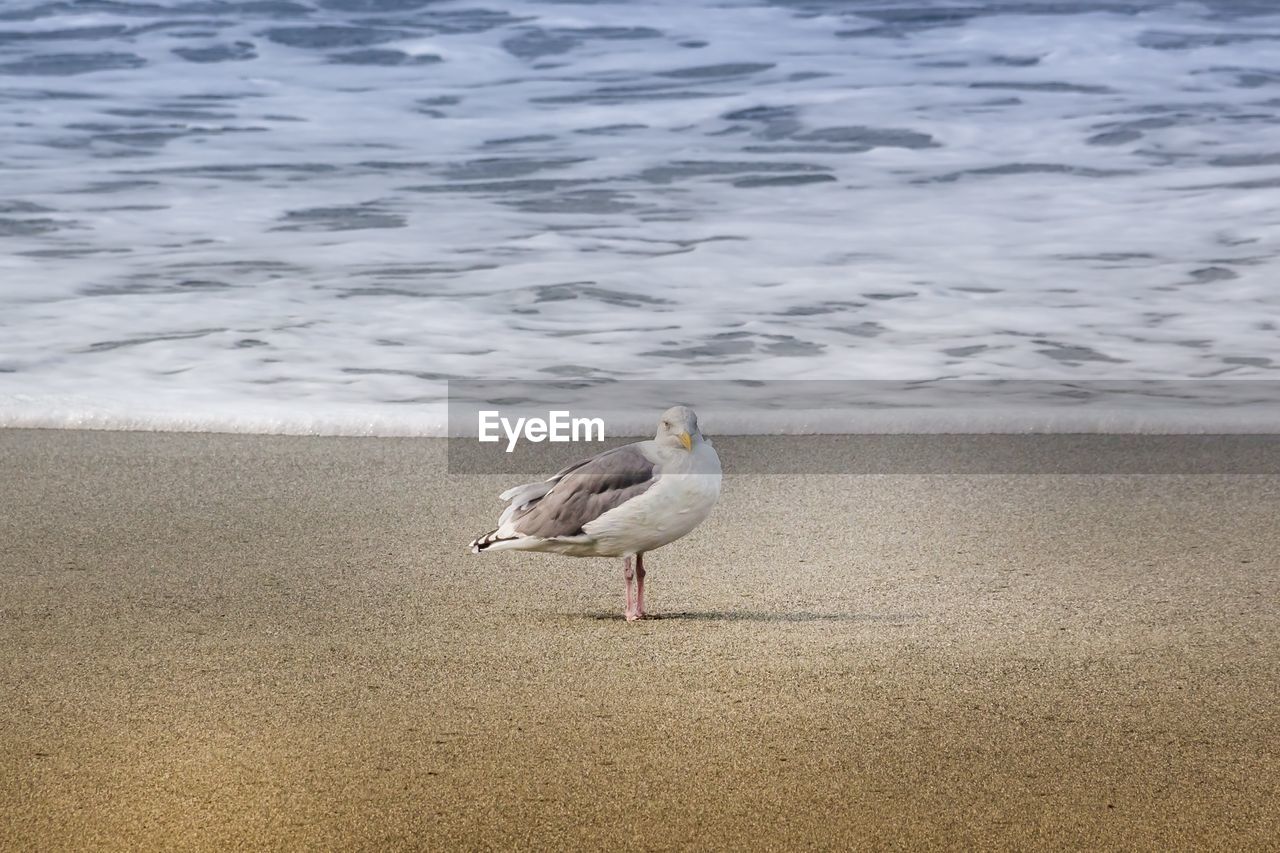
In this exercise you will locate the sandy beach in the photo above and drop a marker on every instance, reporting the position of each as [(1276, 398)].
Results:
[(221, 641)]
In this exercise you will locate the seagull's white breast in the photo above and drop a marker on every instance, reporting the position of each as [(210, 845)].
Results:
[(679, 501)]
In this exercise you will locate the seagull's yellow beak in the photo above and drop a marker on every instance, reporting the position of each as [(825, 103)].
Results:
[(686, 441)]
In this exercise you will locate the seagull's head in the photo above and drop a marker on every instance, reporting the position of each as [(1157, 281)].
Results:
[(678, 427)]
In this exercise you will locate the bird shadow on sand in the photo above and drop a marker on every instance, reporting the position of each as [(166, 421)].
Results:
[(755, 616)]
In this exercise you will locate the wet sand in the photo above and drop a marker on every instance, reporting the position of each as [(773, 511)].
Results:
[(214, 641)]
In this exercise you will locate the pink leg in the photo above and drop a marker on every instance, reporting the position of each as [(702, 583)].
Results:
[(640, 586), (628, 573)]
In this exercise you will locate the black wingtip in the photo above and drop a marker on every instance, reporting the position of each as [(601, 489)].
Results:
[(482, 543)]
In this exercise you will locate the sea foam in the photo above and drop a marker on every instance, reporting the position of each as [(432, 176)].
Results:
[(310, 217)]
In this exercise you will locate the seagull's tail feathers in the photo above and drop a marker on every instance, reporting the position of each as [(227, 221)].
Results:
[(504, 537), (493, 539)]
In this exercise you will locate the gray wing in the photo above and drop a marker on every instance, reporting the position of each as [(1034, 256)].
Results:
[(582, 493)]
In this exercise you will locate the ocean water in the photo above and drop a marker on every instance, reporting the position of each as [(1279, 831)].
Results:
[(311, 215)]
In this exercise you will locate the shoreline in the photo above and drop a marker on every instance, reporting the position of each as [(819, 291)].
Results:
[(281, 641)]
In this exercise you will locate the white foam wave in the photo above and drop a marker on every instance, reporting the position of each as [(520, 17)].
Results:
[(264, 220), (434, 420)]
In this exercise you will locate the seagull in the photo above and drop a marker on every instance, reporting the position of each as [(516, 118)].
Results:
[(623, 502)]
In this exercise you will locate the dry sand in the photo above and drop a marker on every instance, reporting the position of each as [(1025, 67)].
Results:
[(229, 641)]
